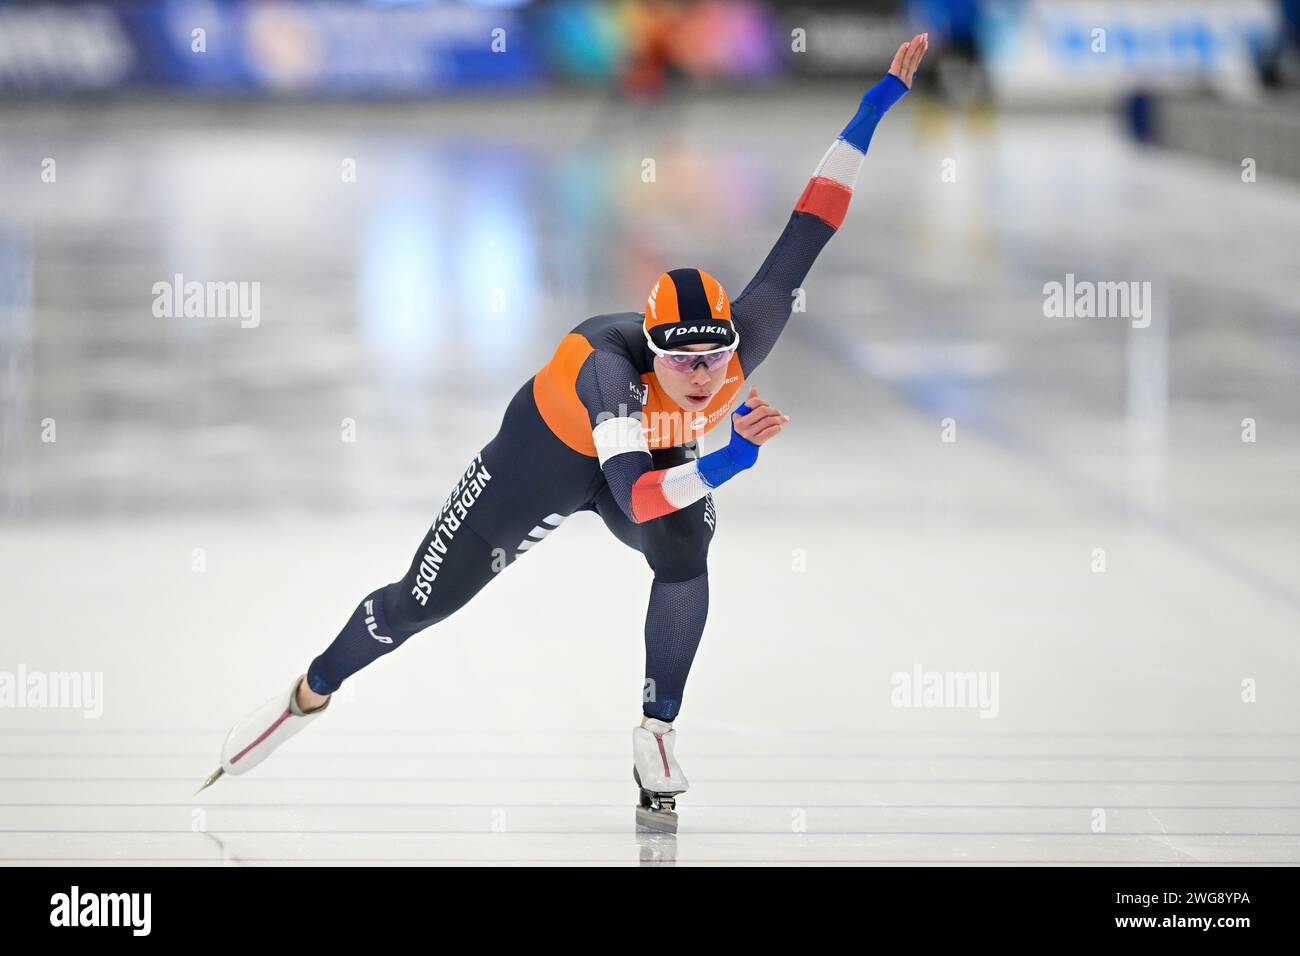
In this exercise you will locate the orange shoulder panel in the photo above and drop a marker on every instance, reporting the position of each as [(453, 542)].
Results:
[(555, 389)]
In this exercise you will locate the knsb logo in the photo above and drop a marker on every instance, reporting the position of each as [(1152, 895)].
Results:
[(653, 293), (103, 909)]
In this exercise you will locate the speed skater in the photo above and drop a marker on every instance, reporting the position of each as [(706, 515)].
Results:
[(611, 424)]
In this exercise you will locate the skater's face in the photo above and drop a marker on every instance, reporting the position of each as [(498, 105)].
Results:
[(691, 390)]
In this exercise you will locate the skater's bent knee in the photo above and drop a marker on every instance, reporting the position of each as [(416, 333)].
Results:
[(678, 557)]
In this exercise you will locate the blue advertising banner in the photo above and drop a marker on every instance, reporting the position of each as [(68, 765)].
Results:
[(291, 47)]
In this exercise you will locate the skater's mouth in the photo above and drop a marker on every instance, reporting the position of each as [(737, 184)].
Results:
[(697, 399)]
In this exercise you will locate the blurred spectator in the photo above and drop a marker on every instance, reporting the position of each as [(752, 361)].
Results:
[(953, 27), (1280, 65), (651, 62)]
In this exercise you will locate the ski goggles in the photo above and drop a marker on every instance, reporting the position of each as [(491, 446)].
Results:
[(712, 359)]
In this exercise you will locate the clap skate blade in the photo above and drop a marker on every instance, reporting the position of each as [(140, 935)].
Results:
[(656, 811)]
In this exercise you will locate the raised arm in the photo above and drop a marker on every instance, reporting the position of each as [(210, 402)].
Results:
[(606, 384), (762, 309)]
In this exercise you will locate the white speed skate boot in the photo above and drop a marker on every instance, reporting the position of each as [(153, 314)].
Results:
[(254, 738), (657, 773)]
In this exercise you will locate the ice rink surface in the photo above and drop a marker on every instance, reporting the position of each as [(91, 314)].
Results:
[(1098, 536)]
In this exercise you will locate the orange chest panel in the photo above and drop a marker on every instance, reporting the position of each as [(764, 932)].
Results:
[(666, 423)]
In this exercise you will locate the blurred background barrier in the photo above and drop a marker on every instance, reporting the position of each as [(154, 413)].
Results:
[(1051, 51), (1043, 51), (1215, 131)]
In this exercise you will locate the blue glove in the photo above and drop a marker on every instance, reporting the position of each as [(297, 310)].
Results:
[(875, 102), (739, 454)]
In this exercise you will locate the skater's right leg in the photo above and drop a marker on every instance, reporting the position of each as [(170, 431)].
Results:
[(515, 492), (518, 490), (449, 568), (452, 565)]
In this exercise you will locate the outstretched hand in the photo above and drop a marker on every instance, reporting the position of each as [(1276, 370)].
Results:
[(908, 58), (763, 421)]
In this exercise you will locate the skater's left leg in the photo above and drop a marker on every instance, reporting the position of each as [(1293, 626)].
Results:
[(676, 547), (674, 624)]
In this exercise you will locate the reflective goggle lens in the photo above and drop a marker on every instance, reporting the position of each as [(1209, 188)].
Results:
[(687, 361)]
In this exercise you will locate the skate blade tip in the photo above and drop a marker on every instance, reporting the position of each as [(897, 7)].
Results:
[(211, 780)]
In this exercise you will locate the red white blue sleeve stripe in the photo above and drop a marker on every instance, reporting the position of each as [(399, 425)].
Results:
[(831, 187)]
